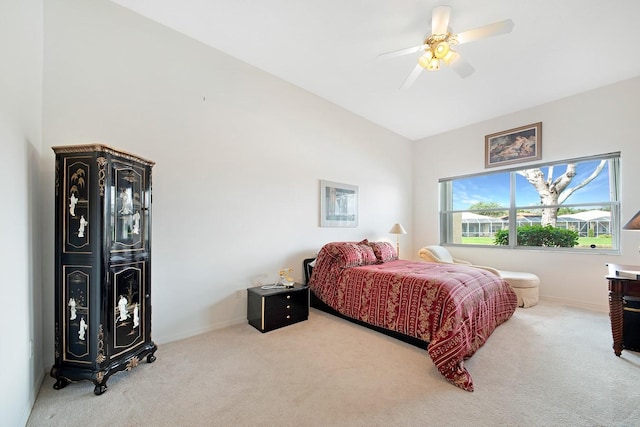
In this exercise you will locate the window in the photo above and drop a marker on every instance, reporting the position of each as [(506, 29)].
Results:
[(567, 205)]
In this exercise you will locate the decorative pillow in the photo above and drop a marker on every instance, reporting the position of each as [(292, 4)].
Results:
[(384, 251), (368, 256), (344, 254)]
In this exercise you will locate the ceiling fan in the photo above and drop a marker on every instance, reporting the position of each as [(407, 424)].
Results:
[(437, 47)]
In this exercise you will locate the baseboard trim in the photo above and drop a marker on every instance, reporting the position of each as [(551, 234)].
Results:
[(573, 303), (191, 333)]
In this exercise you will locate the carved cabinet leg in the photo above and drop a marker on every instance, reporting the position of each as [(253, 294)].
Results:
[(99, 389), (616, 315), (60, 383)]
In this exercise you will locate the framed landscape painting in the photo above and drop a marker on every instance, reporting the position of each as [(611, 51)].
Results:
[(338, 204), (517, 145)]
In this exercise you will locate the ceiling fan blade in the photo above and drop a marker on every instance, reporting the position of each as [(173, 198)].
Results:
[(412, 77), (440, 19), (460, 66), (400, 52), (495, 29)]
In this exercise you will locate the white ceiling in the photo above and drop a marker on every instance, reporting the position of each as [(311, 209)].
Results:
[(329, 48)]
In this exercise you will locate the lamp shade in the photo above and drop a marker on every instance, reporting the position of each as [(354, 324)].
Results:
[(441, 49), (398, 229), (633, 224)]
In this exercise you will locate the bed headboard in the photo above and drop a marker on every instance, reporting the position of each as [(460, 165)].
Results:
[(308, 269)]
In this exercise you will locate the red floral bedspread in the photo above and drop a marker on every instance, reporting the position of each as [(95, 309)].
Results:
[(453, 307)]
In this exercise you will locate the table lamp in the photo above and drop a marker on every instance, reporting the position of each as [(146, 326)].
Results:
[(397, 229), (634, 223)]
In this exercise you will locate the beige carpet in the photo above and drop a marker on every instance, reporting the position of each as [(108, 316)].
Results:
[(549, 365)]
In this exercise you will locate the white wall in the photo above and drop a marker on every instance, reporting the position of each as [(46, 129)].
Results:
[(595, 122), (20, 138), (239, 157)]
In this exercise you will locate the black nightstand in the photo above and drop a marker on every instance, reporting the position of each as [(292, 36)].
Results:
[(269, 309)]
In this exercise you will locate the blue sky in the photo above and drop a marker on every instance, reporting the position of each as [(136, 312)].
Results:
[(494, 187)]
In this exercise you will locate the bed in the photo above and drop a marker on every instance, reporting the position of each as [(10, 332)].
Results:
[(449, 309)]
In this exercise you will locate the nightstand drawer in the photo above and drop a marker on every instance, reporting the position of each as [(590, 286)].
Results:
[(269, 309)]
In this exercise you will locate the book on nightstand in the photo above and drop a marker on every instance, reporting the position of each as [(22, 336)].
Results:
[(629, 274)]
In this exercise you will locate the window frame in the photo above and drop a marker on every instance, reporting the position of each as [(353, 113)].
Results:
[(446, 212)]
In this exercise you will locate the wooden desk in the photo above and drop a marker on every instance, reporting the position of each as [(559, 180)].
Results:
[(619, 288)]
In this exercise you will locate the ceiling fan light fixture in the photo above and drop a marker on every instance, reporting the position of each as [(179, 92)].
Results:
[(441, 49), (434, 64), (449, 57), (425, 59)]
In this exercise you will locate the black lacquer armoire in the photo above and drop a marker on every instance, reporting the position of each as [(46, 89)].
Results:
[(102, 263)]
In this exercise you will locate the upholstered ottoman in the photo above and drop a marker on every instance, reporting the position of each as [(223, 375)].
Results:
[(525, 284)]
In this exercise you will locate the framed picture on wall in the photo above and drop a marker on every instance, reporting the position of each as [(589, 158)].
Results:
[(338, 204), (517, 145)]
